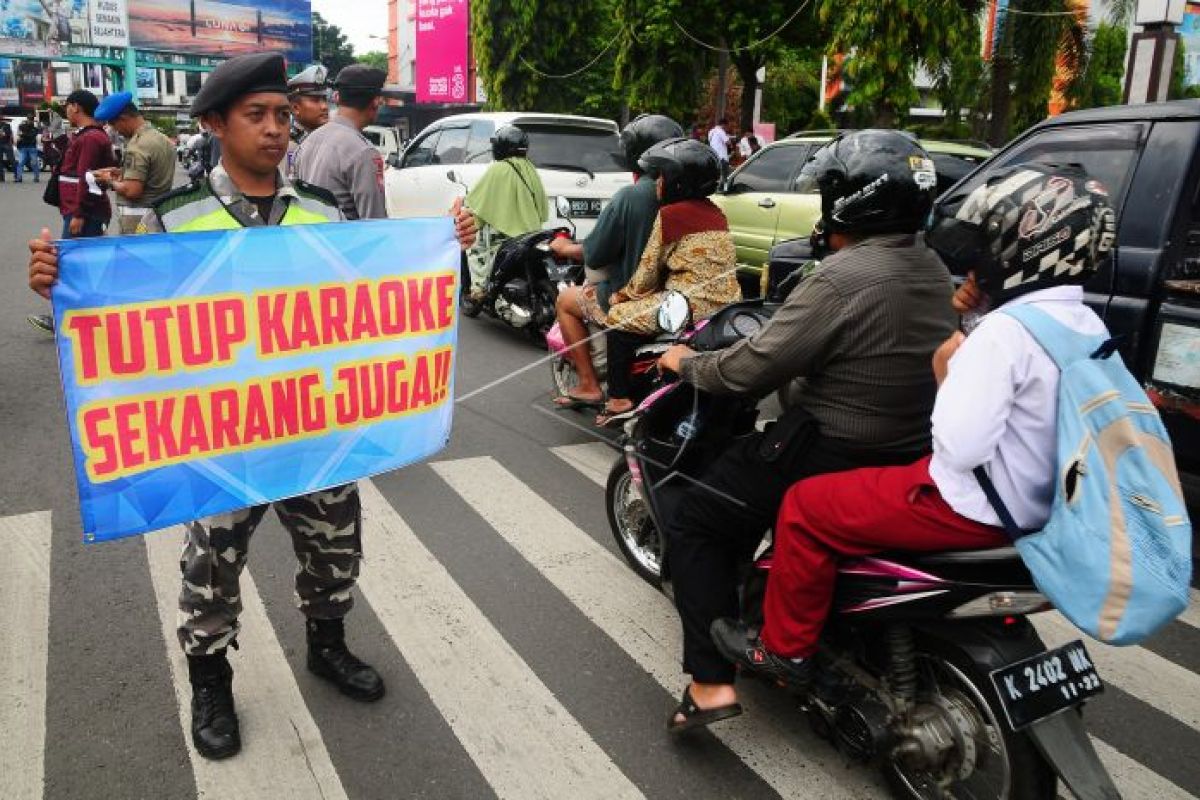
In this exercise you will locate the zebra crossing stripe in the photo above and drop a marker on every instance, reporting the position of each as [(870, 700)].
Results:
[(1134, 780), (643, 623), (1156, 681), (594, 459), (283, 754), (524, 742), (1191, 614), (25, 598)]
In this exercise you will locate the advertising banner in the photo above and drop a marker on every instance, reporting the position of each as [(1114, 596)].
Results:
[(223, 28), (1189, 34), (109, 21), (207, 372), (31, 80), (147, 83), (441, 73), (47, 27)]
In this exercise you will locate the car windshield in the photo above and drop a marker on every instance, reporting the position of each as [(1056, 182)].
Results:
[(566, 146)]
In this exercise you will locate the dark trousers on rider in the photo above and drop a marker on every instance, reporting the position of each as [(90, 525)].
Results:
[(622, 350), (828, 517), (715, 527)]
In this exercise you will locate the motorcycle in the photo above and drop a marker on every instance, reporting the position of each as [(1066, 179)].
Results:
[(928, 668), (524, 281)]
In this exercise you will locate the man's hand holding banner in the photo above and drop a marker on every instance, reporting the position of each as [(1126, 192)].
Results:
[(206, 372)]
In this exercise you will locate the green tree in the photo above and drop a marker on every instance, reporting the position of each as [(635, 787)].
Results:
[(887, 39), (792, 90), (330, 46), (1101, 82), (655, 70), (1032, 36), (546, 56), (375, 58)]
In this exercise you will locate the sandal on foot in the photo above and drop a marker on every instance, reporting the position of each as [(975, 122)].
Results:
[(570, 402), (608, 416), (696, 717)]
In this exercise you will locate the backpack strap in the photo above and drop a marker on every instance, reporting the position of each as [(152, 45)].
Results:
[(1063, 345), (1011, 527)]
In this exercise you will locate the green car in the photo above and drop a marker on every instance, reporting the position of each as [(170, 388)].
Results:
[(765, 206)]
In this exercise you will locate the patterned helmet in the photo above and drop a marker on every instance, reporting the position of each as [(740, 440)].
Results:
[(1027, 228)]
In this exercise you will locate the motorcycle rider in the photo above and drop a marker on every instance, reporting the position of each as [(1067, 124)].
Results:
[(508, 200), (850, 350), (690, 250), (1032, 234), (610, 254)]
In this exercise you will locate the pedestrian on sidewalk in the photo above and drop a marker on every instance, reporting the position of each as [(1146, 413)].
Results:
[(27, 137), (82, 201), (7, 160)]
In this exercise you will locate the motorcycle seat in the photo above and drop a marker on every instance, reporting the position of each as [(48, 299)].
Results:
[(994, 555)]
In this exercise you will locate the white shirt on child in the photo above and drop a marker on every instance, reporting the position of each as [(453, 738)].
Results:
[(998, 407)]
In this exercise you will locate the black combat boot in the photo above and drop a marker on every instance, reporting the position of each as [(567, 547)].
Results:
[(214, 721), (328, 658)]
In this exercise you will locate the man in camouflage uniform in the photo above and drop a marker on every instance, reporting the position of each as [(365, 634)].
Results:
[(244, 102)]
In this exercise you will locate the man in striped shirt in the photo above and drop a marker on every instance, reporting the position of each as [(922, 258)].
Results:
[(850, 353)]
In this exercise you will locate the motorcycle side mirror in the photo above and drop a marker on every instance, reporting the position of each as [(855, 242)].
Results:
[(450, 176), (563, 205), (674, 313)]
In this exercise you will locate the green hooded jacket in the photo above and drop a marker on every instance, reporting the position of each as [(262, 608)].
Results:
[(510, 197)]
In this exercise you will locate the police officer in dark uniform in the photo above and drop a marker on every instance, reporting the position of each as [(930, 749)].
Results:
[(245, 104), (308, 92), (338, 157)]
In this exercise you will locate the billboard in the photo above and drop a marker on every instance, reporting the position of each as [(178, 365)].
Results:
[(1189, 34), (441, 73), (224, 27), (43, 27)]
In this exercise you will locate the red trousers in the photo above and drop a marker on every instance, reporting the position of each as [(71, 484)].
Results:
[(854, 513)]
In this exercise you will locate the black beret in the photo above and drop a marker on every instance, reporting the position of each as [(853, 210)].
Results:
[(239, 76), (361, 78)]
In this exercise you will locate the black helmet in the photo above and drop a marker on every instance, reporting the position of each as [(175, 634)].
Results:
[(509, 141), (1027, 228), (689, 169), (645, 131), (872, 181)]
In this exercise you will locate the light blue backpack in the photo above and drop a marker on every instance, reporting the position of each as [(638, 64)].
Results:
[(1115, 556)]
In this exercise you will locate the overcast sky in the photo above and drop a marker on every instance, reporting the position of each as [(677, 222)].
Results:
[(357, 19)]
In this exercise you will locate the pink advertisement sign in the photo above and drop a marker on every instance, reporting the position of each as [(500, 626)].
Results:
[(441, 72)]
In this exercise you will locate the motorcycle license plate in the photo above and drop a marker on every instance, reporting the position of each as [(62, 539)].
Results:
[(1045, 684), (586, 207)]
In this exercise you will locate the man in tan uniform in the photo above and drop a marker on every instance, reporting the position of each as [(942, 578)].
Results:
[(147, 167)]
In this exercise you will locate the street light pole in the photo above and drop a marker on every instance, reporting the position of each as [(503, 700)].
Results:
[(1152, 52)]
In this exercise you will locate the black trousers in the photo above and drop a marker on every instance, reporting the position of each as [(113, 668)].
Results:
[(717, 524), (622, 349)]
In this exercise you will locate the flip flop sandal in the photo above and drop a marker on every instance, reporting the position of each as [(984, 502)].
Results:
[(606, 418), (696, 717), (569, 402)]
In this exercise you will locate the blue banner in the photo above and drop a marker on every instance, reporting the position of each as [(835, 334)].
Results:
[(207, 372)]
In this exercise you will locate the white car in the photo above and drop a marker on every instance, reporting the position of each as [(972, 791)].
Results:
[(385, 139), (578, 158)]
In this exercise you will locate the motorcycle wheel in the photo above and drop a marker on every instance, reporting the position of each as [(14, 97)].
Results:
[(562, 371), (1006, 764), (632, 527), (468, 307)]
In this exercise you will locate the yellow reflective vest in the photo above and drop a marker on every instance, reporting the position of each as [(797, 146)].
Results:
[(197, 208)]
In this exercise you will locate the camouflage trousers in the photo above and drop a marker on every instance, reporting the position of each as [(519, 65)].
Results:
[(482, 254), (326, 531)]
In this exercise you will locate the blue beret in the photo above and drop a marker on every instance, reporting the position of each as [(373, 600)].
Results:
[(111, 107)]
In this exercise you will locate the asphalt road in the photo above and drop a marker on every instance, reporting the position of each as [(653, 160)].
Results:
[(522, 658)]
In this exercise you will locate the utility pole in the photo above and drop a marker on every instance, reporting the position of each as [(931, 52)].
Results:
[(1152, 52), (722, 81)]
